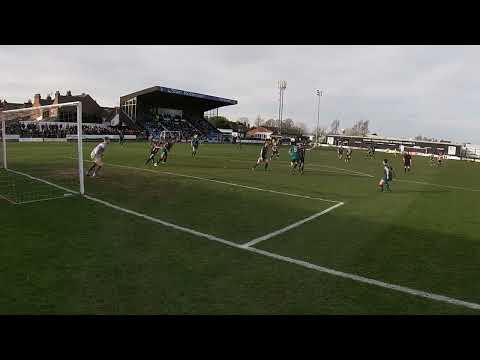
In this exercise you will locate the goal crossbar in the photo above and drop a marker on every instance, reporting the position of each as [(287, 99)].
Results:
[(5, 116)]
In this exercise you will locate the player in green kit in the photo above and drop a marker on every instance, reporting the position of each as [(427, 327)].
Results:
[(294, 158)]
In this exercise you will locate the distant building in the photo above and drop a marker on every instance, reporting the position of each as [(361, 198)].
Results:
[(4, 105), (227, 134), (92, 112), (396, 144), (158, 108), (260, 132)]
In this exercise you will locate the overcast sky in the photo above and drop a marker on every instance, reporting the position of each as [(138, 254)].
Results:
[(403, 90)]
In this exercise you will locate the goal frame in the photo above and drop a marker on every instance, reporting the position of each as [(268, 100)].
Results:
[(165, 132), (78, 106)]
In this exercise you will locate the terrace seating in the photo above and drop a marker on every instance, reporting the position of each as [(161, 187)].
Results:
[(56, 131)]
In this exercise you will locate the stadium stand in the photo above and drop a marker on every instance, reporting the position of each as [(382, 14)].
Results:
[(158, 109), (38, 130)]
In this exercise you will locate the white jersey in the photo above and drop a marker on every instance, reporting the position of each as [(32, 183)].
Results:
[(98, 150)]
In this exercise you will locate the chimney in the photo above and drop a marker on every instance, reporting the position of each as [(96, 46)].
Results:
[(49, 97), (36, 99), (69, 93), (57, 97)]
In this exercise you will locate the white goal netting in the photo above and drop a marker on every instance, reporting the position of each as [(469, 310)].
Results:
[(170, 135), (40, 155)]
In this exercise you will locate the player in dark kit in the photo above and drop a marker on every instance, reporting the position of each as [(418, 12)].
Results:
[(263, 158), (371, 151), (440, 158), (340, 152), (121, 137), (156, 145), (348, 155), (407, 161), (275, 152), (301, 156)]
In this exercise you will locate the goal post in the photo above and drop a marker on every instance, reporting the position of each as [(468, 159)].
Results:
[(167, 134), (80, 148), (4, 145), (32, 150)]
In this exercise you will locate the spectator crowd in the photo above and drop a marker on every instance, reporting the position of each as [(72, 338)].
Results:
[(32, 130)]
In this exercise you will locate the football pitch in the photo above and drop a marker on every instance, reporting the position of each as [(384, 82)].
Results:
[(208, 235)]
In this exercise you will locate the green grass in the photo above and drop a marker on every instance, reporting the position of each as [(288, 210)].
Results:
[(75, 256)]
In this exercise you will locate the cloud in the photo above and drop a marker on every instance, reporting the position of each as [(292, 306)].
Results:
[(402, 90)]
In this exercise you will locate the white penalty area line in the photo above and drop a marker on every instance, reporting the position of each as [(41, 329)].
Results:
[(290, 227), (438, 185), (369, 281), (9, 200), (346, 170)]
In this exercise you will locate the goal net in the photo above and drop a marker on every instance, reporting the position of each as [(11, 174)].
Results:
[(41, 153), (170, 135)]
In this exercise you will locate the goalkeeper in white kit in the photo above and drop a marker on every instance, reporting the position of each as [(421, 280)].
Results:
[(97, 157)]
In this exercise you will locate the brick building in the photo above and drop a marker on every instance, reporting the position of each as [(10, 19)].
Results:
[(92, 112)]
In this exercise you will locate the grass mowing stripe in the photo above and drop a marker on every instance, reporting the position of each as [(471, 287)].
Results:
[(309, 165), (302, 263), (164, 223), (366, 280), (291, 226), (219, 182)]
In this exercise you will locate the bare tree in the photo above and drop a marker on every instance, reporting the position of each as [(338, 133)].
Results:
[(270, 123), (288, 125), (322, 131), (364, 127), (334, 126), (244, 120), (302, 128), (258, 121), (360, 128)]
